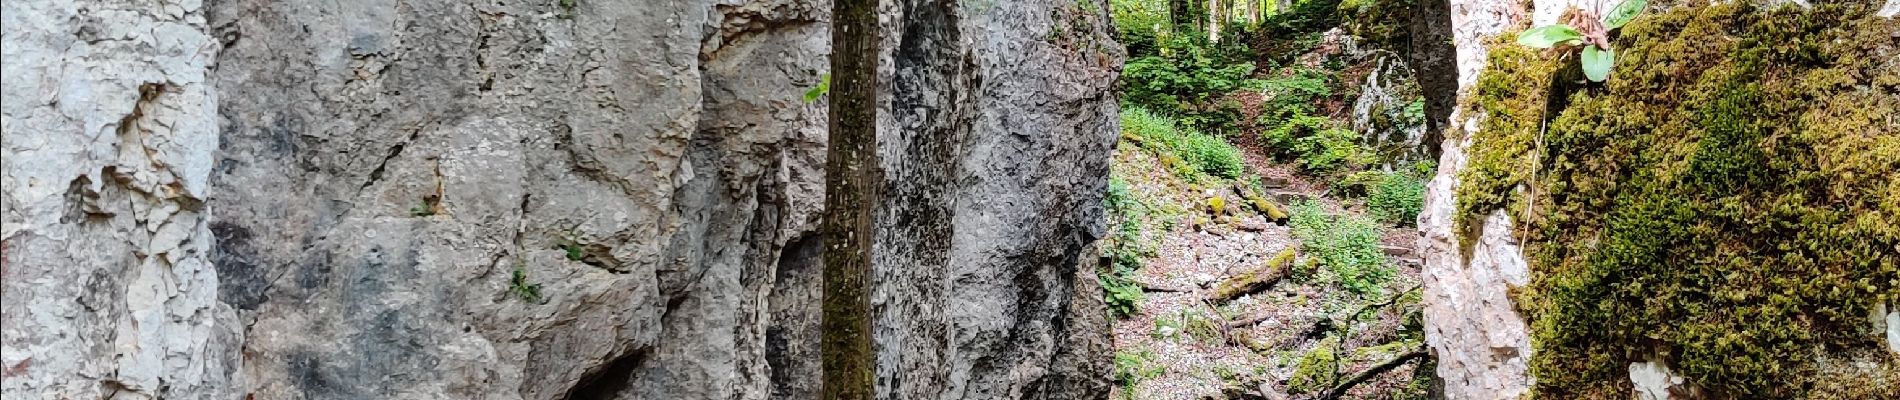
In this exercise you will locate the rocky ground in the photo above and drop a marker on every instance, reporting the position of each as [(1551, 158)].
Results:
[(1277, 343)]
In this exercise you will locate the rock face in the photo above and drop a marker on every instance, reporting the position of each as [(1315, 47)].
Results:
[(1482, 344), (564, 199), (106, 251)]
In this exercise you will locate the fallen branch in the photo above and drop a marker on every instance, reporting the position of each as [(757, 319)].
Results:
[(1152, 288), (1372, 372), (1246, 283)]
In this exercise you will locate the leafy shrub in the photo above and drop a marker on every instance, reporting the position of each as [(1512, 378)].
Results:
[(1197, 153), (1126, 248), (1134, 366), (1329, 150), (1185, 71), (1291, 96), (1347, 246), (1397, 198), (1139, 25), (1381, 23)]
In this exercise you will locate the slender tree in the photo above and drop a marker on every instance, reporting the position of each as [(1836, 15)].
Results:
[(850, 194)]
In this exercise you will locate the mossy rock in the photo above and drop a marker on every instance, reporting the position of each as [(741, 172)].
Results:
[(1728, 199), (1217, 206), (1315, 371)]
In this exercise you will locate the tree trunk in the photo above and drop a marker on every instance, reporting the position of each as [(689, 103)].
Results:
[(1181, 13), (850, 173), (1216, 16)]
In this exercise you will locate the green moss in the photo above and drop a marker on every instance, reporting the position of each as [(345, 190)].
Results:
[(1316, 370), (1727, 201)]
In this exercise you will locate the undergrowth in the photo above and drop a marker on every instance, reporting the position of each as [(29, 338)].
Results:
[(1346, 246), (1185, 151)]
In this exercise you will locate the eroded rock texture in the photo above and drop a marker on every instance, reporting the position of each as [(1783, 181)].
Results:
[(539, 200)]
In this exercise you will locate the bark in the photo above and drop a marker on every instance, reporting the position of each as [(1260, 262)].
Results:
[(850, 196)]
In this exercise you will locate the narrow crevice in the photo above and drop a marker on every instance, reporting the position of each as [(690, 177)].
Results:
[(608, 382)]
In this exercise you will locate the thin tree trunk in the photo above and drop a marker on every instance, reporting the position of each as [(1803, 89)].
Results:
[(1178, 14), (1216, 16), (850, 191)]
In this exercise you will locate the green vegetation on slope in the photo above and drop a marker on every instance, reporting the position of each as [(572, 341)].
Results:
[(1189, 152), (1728, 203)]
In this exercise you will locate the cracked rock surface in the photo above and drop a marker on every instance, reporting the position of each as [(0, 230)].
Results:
[(444, 199)]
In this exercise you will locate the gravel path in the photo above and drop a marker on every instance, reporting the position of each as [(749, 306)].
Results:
[(1189, 360)]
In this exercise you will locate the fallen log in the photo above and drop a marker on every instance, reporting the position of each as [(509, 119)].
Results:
[(1257, 280)]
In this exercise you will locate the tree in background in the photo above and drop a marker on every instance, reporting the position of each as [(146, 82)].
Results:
[(850, 191)]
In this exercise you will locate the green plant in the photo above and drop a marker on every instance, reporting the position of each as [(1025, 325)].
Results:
[(824, 86), (421, 210), (1585, 29), (1197, 153), (1167, 326), (1187, 70), (573, 250), (1139, 24), (1134, 366), (1126, 248), (1346, 246), (1397, 198), (1326, 150), (518, 284), (567, 9)]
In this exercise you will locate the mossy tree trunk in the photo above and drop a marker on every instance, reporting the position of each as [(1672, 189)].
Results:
[(850, 193)]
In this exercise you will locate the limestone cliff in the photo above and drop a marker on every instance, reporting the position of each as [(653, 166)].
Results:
[(555, 199)]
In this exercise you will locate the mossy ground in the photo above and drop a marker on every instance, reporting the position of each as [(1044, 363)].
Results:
[(1728, 201)]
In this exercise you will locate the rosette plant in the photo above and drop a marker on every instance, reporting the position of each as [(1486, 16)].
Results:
[(1588, 30)]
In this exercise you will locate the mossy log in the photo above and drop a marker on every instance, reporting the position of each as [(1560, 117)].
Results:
[(1260, 279)]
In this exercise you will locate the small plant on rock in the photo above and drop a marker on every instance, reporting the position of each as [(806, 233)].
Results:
[(1586, 29)]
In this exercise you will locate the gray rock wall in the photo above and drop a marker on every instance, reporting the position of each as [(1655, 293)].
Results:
[(561, 199)]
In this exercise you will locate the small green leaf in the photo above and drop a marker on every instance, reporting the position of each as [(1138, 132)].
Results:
[(824, 86), (1623, 13), (1597, 62), (1546, 36)]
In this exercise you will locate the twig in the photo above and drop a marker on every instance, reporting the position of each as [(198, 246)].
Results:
[(1369, 373)]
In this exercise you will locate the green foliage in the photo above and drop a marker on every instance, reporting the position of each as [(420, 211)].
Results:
[(1384, 23), (1596, 63), (1134, 366), (1597, 59), (1185, 71), (1545, 37), (1291, 131), (1197, 153), (567, 9), (574, 251), (1624, 13), (1347, 246), (1139, 25), (422, 210), (824, 86), (1734, 212), (1126, 248), (519, 286), (1306, 16), (1397, 198)]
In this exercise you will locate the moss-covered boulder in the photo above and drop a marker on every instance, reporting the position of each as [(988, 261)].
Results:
[(1727, 202)]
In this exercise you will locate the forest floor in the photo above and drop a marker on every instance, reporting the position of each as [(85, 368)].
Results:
[(1282, 342)]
